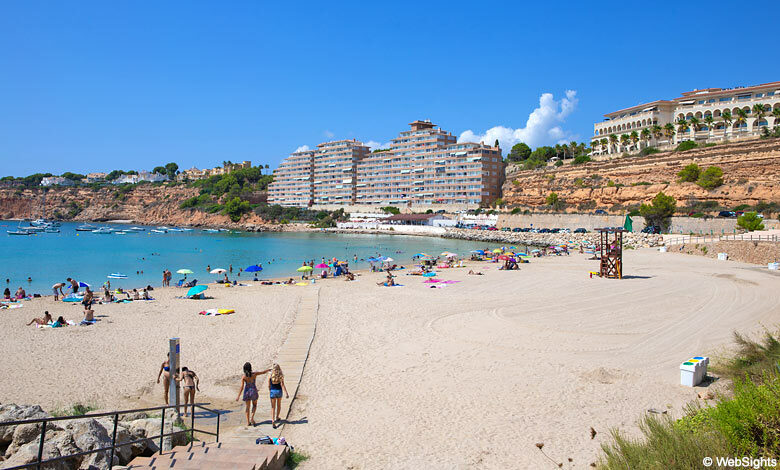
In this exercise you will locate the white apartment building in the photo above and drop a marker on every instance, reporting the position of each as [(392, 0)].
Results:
[(710, 115)]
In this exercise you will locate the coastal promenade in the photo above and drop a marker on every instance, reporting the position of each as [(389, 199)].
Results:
[(292, 359)]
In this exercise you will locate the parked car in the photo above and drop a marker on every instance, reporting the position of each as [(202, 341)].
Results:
[(651, 229), (580, 230), (517, 229), (600, 212), (727, 214), (506, 229)]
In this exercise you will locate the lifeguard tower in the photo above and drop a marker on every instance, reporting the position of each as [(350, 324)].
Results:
[(611, 250)]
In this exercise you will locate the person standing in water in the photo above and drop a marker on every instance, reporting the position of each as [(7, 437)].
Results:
[(275, 388), (249, 389), (166, 369)]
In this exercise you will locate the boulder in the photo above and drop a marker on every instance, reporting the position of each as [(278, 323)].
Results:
[(11, 412)]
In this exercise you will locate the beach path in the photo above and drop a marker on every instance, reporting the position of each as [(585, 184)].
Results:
[(292, 359)]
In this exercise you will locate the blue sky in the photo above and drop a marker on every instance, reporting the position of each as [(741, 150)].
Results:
[(104, 85)]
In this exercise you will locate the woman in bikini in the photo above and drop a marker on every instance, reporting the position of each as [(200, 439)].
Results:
[(191, 384), (165, 368), (42, 321), (275, 388), (249, 389)]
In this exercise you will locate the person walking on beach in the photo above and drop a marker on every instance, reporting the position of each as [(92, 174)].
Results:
[(57, 289), (275, 388), (249, 389), (191, 384), (165, 372), (88, 299)]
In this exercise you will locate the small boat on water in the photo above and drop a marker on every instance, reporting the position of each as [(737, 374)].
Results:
[(210, 230), (117, 276), (136, 229), (154, 230), (174, 229), (85, 228), (44, 223), (19, 232), (104, 230), (120, 232), (51, 229), (31, 228)]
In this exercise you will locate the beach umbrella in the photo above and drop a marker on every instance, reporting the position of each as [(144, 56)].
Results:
[(218, 271), (304, 269), (84, 284), (343, 263), (321, 266), (196, 290), (452, 255), (535, 250), (503, 257), (388, 260), (429, 274), (253, 269), (498, 250), (184, 271)]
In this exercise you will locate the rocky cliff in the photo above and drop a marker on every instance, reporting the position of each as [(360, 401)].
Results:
[(751, 174), (143, 204)]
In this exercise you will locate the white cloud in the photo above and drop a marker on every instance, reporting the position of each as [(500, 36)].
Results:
[(543, 126), (373, 145), (328, 134), (302, 148)]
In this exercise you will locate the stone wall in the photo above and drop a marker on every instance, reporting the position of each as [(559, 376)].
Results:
[(683, 225)]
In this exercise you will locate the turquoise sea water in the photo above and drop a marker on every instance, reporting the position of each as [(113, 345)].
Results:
[(51, 257)]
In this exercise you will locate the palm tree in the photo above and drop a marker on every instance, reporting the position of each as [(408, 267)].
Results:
[(574, 148), (634, 137), (613, 139), (657, 131), (708, 121), (759, 112), (624, 139), (742, 117), (645, 136), (727, 120), (682, 126), (603, 142), (695, 124), (267, 167), (669, 131), (776, 115)]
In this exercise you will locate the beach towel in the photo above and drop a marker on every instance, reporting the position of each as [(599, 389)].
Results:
[(217, 311), (87, 322), (10, 306)]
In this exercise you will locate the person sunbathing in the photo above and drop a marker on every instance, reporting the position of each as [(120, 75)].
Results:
[(20, 293), (145, 295), (45, 320), (7, 294), (475, 273), (136, 295), (349, 277), (59, 323)]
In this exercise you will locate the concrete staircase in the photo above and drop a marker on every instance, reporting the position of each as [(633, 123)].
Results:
[(216, 456)]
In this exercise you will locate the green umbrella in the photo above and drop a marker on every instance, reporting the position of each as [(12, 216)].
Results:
[(184, 271), (304, 268)]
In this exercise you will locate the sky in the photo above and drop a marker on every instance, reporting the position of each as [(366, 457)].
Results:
[(95, 85)]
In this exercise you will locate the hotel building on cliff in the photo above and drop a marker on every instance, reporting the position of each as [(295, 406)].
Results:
[(423, 166), (702, 111)]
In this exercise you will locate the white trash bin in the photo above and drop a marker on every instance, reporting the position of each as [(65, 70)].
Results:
[(723, 256), (690, 373)]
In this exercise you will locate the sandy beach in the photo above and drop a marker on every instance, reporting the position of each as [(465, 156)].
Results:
[(471, 375)]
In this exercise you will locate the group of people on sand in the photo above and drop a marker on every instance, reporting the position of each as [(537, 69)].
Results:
[(20, 294), (48, 320), (248, 390)]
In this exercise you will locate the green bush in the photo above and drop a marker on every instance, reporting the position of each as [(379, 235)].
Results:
[(581, 159), (689, 174), (391, 210), (516, 210), (660, 211), (710, 178), (555, 202), (750, 221), (236, 208), (559, 163), (648, 151), (687, 145)]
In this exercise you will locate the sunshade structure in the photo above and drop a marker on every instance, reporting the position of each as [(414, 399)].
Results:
[(218, 271), (304, 269), (196, 290), (322, 266), (253, 269), (388, 260), (184, 271), (421, 255), (498, 250), (429, 274), (84, 284)]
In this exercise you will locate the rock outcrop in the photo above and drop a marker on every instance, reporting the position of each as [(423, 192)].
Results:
[(19, 444), (751, 174)]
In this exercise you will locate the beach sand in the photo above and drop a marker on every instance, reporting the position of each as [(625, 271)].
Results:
[(471, 375)]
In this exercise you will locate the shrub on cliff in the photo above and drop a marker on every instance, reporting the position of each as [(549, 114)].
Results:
[(390, 210), (750, 221), (710, 178), (581, 159), (687, 145), (648, 151), (236, 208), (555, 202), (659, 211), (689, 174)]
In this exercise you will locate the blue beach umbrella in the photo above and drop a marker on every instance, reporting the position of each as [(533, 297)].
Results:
[(196, 290), (429, 274), (253, 269)]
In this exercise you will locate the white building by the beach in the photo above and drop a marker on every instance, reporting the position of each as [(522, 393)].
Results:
[(710, 115)]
